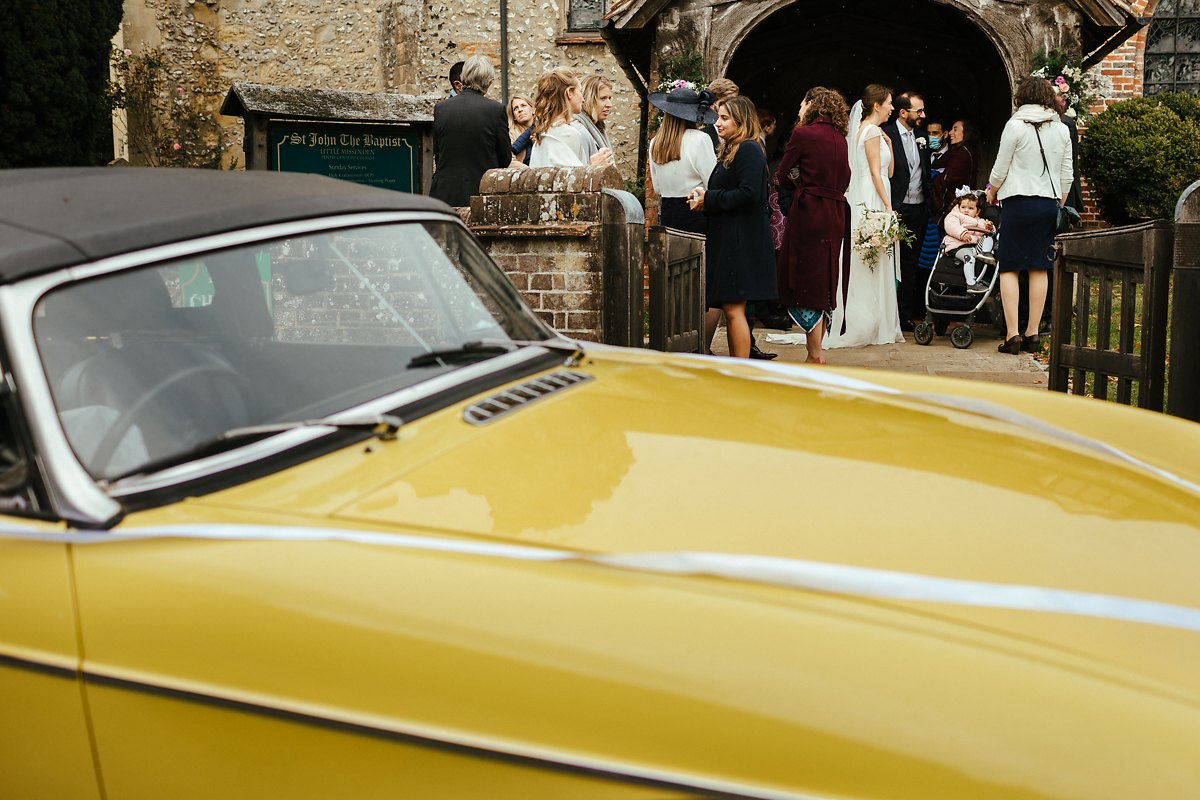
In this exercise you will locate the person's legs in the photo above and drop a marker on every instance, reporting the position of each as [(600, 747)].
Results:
[(1038, 282), (813, 340), (1048, 311), (736, 330), (1010, 293), (910, 293), (712, 318)]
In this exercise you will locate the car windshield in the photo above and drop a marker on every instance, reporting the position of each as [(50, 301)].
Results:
[(151, 363)]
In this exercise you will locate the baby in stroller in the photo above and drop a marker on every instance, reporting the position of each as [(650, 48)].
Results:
[(968, 238)]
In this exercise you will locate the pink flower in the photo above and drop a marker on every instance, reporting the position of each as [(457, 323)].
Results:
[(176, 146), (1060, 80), (178, 90), (128, 52)]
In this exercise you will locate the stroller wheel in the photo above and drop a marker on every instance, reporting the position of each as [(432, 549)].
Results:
[(923, 332), (961, 337)]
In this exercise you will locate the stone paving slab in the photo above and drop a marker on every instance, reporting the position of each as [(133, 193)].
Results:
[(979, 362)]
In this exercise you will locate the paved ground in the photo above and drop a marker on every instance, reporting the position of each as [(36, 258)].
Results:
[(979, 362)]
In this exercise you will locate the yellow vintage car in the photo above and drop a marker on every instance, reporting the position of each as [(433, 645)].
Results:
[(301, 501)]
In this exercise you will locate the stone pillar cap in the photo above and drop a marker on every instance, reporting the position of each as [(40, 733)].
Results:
[(549, 180)]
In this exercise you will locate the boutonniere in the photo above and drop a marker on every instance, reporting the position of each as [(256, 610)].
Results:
[(921, 142)]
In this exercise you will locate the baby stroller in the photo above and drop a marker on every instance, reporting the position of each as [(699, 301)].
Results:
[(947, 296)]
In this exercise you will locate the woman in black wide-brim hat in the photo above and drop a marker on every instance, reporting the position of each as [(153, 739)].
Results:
[(681, 155)]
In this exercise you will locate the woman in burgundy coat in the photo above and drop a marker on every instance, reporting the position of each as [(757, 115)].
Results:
[(816, 238)]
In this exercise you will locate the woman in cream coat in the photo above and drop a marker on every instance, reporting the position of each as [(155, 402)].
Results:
[(1031, 178)]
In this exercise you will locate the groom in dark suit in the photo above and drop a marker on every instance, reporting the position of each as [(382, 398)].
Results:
[(912, 199)]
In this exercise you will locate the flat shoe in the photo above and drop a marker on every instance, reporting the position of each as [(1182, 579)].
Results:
[(1011, 346), (1031, 344)]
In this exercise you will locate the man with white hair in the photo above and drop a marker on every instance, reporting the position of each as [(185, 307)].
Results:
[(470, 136)]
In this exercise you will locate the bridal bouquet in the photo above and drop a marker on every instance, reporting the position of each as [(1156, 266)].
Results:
[(877, 231)]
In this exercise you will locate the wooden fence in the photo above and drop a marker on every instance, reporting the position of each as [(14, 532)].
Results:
[(1110, 313), (677, 305)]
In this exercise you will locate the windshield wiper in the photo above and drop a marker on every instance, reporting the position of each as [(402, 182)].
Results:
[(384, 427), (487, 347), (465, 350)]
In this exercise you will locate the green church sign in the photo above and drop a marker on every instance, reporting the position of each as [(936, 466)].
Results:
[(387, 156)]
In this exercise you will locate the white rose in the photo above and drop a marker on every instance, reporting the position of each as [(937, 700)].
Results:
[(921, 141)]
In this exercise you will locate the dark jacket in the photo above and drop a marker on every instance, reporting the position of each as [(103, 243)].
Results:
[(740, 255), (960, 167), (1074, 195), (900, 170), (814, 239), (470, 136)]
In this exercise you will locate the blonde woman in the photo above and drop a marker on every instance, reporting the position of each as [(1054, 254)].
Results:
[(555, 142), (681, 155), (520, 123), (741, 258), (597, 104)]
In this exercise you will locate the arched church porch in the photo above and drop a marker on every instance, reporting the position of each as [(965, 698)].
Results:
[(926, 47)]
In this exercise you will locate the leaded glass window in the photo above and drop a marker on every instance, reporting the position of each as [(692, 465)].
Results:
[(586, 15), (1173, 48)]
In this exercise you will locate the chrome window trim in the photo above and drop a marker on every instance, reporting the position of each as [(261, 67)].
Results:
[(77, 497)]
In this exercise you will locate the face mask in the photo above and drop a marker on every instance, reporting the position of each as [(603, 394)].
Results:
[(935, 142)]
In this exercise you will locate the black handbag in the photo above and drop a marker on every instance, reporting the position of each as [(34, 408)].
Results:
[(1067, 217)]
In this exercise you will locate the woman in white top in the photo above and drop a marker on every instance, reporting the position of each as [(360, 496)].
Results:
[(1032, 176), (597, 104), (555, 142), (681, 156)]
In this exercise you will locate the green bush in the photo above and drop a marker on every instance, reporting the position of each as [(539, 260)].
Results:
[(1140, 154), (53, 72)]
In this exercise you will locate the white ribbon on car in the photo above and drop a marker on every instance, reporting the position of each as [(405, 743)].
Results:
[(842, 579)]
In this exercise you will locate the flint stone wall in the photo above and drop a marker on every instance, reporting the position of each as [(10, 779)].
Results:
[(397, 46), (567, 246)]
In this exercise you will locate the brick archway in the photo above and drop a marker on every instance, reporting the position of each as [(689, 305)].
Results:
[(1010, 36), (950, 58)]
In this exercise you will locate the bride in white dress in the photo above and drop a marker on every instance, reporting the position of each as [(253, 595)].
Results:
[(870, 312)]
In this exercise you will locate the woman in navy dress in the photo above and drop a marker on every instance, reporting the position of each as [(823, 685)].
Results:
[(740, 256)]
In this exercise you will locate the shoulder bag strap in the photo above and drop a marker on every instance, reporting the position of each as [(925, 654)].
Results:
[(1046, 164)]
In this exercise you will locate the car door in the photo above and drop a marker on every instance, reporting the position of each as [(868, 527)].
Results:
[(45, 750)]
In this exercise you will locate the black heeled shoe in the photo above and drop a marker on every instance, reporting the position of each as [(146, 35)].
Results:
[(759, 354), (1031, 344), (1011, 346)]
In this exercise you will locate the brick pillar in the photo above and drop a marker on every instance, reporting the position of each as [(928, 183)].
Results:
[(552, 230)]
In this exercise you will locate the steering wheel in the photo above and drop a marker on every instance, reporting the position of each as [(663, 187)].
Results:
[(107, 447)]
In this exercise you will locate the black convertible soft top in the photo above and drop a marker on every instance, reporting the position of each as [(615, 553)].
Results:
[(52, 218)]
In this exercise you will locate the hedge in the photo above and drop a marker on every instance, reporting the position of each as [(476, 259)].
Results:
[(1140, 154), (53, 80)]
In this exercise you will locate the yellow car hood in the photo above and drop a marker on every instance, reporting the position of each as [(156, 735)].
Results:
[(726, 674), (660, 453), (883, 471)]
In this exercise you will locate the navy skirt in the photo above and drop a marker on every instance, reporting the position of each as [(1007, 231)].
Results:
[(1027, 233)]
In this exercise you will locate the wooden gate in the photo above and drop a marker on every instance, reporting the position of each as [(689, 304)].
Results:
[(1110, 313), (677, 305)]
